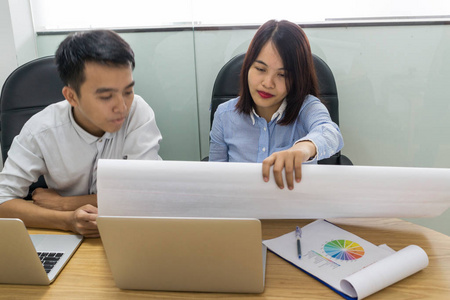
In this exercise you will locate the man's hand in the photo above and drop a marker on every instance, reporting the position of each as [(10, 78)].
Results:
[(83, 221), (48, 198), (290, 160)]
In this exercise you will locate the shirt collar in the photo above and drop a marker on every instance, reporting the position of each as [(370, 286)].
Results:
[(86, 136), (276, 116)]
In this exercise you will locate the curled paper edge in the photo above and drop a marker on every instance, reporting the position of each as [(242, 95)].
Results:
[(385, 272)]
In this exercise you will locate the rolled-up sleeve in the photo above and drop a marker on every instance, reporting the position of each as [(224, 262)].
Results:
[(22, 168)]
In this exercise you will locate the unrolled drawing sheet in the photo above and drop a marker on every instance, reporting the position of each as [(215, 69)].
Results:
[(216, 189)]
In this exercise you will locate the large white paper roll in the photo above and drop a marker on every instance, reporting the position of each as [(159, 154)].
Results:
[(214, 189)]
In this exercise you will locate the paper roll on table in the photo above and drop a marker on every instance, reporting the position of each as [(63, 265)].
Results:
[(385, 272)]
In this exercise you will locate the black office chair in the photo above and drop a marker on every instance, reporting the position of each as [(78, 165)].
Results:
[(226, 87), (29, 89)]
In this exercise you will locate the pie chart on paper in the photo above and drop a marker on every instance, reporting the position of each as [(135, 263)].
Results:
[(344, 250)]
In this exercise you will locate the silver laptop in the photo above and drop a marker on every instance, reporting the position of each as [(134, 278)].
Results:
[(185, 254), (32, 259)]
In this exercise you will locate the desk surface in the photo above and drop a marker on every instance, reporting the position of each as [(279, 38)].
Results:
[(87, 274)]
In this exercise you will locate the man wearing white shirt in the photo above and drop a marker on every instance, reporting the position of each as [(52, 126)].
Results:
[(100, 118)]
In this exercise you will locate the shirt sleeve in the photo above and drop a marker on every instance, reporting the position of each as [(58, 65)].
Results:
[(321, 130), (143, 136), (23, 167), (218, 149)]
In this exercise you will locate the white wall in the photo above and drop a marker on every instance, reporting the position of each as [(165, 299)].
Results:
[(8, 61), (22, 27), (17, 38)]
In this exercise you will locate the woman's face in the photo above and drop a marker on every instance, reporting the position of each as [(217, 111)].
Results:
[(267, 82)]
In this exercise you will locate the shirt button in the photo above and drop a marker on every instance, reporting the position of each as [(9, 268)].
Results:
[(100, 140), (265, 128), (264, 149)]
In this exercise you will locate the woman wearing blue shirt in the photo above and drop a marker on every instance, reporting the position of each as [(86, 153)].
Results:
[(277, 119)]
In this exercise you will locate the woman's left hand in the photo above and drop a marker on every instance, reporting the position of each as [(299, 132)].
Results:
[(291, 161)]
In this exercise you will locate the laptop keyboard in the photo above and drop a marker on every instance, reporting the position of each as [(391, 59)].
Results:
[(49, 259)]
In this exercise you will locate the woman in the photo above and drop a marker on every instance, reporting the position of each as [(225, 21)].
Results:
[(277, 119)]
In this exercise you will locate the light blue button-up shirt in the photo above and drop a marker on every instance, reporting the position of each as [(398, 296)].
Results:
[(237, 137)]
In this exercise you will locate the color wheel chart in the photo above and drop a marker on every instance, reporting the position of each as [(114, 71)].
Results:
[(344, 250)]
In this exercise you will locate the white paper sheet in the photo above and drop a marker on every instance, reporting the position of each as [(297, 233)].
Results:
[(213, 189)]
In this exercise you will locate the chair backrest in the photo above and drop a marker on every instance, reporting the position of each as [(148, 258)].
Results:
[(29, 89), (226, 87)]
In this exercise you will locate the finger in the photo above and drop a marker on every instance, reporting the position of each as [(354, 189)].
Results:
[(37, 190), (84, 227), (278, 172), (289, 170), (35, 193), (89, 232), (88, 217), (92, 235), (89, 208), (298, 169), (84, 216), (89, 226), (266, 164)]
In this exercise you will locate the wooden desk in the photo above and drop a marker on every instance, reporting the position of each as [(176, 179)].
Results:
[(87, 275)]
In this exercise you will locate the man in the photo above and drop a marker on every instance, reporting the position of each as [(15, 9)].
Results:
[(100, 118)]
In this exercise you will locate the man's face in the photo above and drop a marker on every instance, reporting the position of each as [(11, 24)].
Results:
[(104, 99)]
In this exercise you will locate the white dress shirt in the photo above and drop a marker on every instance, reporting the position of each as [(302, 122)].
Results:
[(52, 144)]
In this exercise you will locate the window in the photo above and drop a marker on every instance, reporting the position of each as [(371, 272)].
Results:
[(51, 15)]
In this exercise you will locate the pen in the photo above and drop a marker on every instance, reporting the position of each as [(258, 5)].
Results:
[(298, 235)]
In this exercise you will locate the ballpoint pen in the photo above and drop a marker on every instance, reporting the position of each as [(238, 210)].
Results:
[(298, 235)]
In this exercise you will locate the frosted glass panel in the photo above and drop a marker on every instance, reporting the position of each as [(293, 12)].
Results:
[(394, 109), (213, 49)]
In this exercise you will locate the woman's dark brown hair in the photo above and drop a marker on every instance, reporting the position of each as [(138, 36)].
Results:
[(295, 52)]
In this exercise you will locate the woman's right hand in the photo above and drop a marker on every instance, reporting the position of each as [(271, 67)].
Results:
[(291, 161)]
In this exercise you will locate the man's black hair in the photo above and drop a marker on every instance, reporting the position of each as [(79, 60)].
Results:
[(99, 46)]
